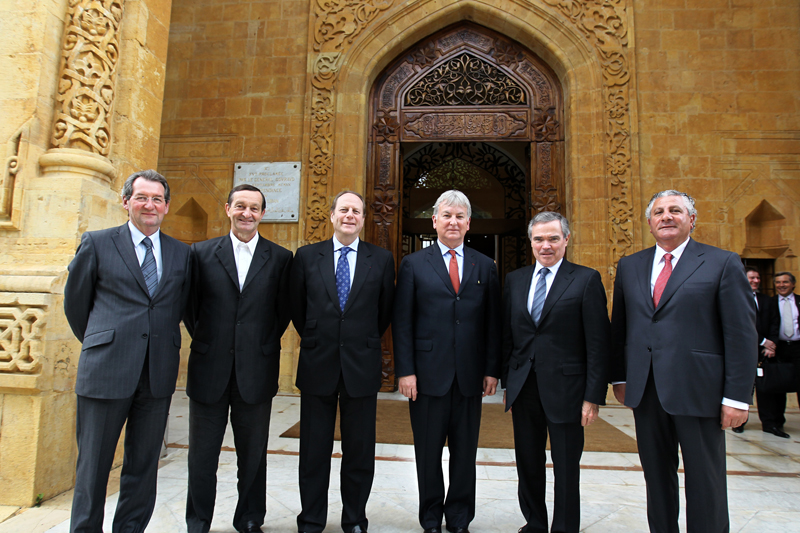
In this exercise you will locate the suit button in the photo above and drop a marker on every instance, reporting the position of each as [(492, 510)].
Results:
[(649, 349), (655, 320), (152, 307), (144, 335), (231, 351), (458, 298), (341, 343), (458, 322), (238, 323)]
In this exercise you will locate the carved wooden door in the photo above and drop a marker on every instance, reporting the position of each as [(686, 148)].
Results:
[(463, 84)]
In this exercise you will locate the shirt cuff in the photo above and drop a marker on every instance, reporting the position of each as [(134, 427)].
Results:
[(762, 341), (736, 405)]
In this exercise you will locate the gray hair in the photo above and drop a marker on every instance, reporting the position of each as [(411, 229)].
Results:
[(548, 216), (791, 276), (688, 203), (454, 198), (149, 175)]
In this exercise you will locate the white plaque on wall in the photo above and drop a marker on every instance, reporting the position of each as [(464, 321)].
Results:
[(280, 183)]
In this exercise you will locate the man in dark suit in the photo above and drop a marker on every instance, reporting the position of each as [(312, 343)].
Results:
[(446, 331), (556, 343), (784, 308), (238, 310), (683, 327), (767, 324), (342, 291), (124, 299)]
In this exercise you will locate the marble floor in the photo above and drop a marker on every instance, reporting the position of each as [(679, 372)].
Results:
[(763, 484)]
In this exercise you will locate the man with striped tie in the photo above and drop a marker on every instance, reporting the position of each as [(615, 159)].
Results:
[(124, 299), (342, 291)]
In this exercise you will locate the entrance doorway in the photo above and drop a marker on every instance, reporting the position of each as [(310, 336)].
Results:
[(467, 109)]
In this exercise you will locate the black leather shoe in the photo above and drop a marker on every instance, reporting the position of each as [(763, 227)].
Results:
[(357, 529), (251, 527), (778, 432), (437, 529), (739, 429), (457, 529)]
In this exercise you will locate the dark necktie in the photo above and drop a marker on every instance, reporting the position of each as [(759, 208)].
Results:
[(149, 270), (343, 276), (661, 281), (539, 295), (454, 271)]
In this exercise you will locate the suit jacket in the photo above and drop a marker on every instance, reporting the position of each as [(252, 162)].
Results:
[(111, 312), (698, 340), (768, 322), (439, 335), (570, 348), (232, 328), (341, 342)]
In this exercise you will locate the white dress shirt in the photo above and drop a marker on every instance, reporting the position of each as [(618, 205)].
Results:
[(243, 253), (548, 280), (659, 263), (137, 237), (350, 257), (445, 250), (795, 335)]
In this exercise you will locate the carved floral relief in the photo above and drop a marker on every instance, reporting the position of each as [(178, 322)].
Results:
[(21, 339), (87, 78)]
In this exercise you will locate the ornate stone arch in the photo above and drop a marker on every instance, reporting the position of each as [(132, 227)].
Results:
[(464, 83)]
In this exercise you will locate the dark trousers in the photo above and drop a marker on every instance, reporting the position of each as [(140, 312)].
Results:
[(772, 406), (207, 422), (531, 427), (317, 426), (98, 427), (702, 444), (457, 419)]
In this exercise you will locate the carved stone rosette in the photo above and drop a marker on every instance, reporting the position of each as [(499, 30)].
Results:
[(89, 59), (336, 25), (604, 23), (21, 339)]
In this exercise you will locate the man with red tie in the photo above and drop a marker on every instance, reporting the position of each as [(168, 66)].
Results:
[(683, 327)]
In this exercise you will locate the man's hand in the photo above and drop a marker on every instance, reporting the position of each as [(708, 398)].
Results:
[(489, 385), (732, 417), (619, 392), (589, 412), (408, 386), (769, 346)]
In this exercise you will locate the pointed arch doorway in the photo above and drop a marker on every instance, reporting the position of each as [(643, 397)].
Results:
[(470, 109)]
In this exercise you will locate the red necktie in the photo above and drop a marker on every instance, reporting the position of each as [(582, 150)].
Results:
[(454, 271), (661, 281)]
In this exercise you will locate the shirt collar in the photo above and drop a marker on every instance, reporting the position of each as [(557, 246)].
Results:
[(337, 245), (445, 249), (789, 297), (137, 236), (553, 269), (251, 244), (676, 253)]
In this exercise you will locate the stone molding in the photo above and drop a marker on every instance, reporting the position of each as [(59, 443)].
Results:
[(605, 25), (336, 25), (87, 76), (74, 161)]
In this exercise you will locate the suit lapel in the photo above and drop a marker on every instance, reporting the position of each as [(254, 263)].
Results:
[(363, 266), (564, 276), (122, 240), (326, 271), (522, 296), (167, 259), (437, 264), (690, 260), (468, 268), (224, 253), (260, 258), (645, 270)]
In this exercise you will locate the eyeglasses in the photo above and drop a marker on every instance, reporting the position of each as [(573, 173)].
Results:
[(157, 200)]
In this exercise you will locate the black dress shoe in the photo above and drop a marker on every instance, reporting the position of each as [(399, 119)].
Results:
[(778, 432), (739, 429), (437, 529), (251, 527), (457, 529)]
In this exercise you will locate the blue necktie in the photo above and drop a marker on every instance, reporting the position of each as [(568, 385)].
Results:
[(539, 295), (343, 276), (149, 270)]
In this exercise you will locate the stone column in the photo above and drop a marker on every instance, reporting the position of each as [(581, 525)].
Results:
[(86, 113)]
